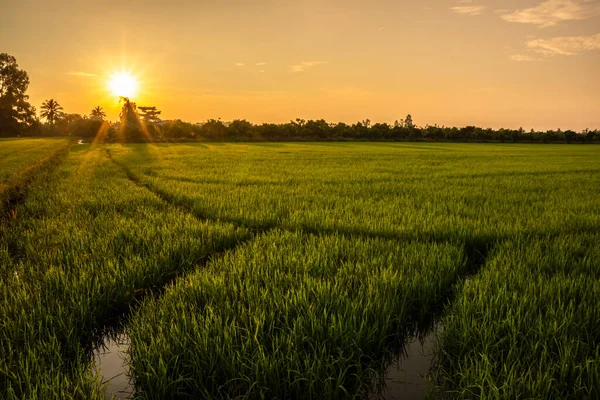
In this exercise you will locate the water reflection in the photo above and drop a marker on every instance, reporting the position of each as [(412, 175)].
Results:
[(406, 377), (111, 365)]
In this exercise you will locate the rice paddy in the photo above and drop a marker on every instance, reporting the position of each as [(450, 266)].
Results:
[(250, 271), (17, 155)]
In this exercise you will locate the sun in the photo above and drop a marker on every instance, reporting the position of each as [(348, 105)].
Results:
[(123, 84)]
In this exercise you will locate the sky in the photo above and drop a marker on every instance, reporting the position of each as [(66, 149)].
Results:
[(491, 63)]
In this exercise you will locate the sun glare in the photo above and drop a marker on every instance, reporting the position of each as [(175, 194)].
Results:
[(123, 84)]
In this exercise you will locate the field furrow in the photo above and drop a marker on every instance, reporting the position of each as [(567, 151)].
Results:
[(528, 325), (15, 155), (86, 244), (290, 315), (391, 191), (274, 270), (19, 168)]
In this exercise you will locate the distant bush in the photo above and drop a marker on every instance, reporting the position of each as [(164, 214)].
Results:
[(297, 131), (320, 130)]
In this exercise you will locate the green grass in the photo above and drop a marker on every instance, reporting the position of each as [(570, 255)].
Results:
[(528, 325), (22, 161), (87, 243), (297, 270), (17, 154), (464, 192), (289, 315)]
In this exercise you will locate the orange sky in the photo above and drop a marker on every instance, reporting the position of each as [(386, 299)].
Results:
[(496, 63)]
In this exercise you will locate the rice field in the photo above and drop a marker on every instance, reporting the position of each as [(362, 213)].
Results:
[(17, 155), (21, 160), (277, 271), (527, 325)]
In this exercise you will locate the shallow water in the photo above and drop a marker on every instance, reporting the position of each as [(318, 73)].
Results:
[(110, 364), (405, 378)]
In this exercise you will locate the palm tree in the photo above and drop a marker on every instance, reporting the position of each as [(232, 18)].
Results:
[(51, 110), (98, 113)]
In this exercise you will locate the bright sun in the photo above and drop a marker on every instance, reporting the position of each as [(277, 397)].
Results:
[(123, 84)]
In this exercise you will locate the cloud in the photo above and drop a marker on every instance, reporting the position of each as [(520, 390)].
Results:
[(304, 65), (261, 63), (551, 12), (239, 64), (468, 10), (523, 58), (566, 46), (80, 73)]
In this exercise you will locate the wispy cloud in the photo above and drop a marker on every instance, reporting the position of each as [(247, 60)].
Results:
[(565, 45), (261, 63), (304, 65), (552, 12), (467, 8), (523, 58), (239, 64), (81, 73)]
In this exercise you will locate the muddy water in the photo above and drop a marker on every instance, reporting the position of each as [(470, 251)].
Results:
[(110, 364), (406, 377)]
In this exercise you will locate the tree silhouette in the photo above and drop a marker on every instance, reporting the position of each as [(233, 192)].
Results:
[(15, 111), (132, 129), (149, 114), (51, 110), (98, 114)]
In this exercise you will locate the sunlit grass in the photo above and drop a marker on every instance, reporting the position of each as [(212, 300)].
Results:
[(528, 325), (16, 154), (87, 243), (462, 192), (346, 247), (289, 316)]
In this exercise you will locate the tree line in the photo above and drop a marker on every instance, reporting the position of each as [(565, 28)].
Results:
[(321, 130), (143, 123)]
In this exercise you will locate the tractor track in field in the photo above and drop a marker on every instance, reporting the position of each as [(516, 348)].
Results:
[(183, 207), (112, 324), (476, 250), (14, 191), (111, 342), (475, 253)]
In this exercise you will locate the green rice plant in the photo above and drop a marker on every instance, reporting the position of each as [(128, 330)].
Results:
[(369, 239), (528, 325), (86, 245), (20, 161), (289, 315), (17, 154), (433, 192)]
